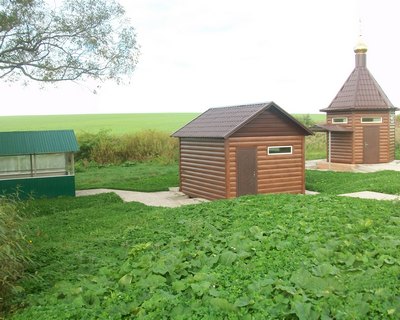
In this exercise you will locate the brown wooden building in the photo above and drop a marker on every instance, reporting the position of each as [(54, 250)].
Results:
[(249, 149), (360, 119)]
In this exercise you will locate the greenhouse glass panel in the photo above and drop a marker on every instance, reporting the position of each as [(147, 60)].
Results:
[(15, 165), (54, 162)]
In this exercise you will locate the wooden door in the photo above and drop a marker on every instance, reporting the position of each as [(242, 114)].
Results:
[(371, 144), (246, 166)]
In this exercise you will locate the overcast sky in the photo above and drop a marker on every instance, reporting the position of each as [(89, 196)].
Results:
[(197, 54)]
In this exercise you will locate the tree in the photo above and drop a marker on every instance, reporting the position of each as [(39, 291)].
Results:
[(77, 40)]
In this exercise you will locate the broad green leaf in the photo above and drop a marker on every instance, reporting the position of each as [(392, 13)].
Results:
[(288, 289), (243, 301), (152, 281), (325, 269), (125, 281), (78, 301), (222, 304), (160, 268), (200, 288), (391, 311), (227, 258), (179, 285), (257, 232), (214, 292), (302, 309)]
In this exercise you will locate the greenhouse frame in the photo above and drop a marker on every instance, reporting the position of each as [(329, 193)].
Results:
[(37, 163)]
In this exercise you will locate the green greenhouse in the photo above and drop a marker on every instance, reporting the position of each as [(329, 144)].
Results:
[(37, 163)]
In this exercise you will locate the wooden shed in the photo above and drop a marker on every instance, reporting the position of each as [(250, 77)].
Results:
[(360, 119), (249, 149), (37, 163)]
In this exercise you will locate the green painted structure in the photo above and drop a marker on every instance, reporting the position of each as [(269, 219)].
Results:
[(37, 163)]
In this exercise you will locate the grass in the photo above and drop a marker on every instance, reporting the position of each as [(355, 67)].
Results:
[(159, 177), (116, 123), (258, 257), (147, 177), (330, 182)]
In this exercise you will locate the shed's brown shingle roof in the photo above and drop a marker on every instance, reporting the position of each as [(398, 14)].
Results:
[(223, 122), (360, 91)]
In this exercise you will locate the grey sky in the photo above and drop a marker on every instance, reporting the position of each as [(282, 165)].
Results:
[(208, 53)]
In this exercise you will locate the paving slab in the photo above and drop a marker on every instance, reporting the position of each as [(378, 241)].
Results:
[(371, 195), (322, 164), (169, 199), (311, 193)]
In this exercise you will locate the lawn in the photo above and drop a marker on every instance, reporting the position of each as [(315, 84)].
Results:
[(146, 177), (330, 182), (159, 177), (255, 257)]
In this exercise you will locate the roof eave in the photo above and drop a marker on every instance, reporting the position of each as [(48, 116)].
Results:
[(351, 109)]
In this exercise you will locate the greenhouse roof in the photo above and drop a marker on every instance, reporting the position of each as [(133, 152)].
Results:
[(37, 142)]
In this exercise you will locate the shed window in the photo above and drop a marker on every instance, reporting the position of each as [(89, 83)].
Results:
[(339, 120), (280, 150), (371, 120)]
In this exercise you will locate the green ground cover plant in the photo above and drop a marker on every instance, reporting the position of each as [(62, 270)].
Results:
[(147, 176), (255, 257), (331, 182), (13, 254)]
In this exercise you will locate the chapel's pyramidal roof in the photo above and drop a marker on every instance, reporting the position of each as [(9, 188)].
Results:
[(360, 91)]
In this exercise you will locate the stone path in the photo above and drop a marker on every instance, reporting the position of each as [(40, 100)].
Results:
[(371, 195), (322, 164), (171, 199), (364, 195)]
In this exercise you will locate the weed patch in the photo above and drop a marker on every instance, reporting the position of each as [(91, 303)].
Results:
[(106, 148), (263, 257), (13, 248)]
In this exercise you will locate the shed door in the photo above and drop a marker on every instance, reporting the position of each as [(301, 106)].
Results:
[(246, 165), (371, 144)]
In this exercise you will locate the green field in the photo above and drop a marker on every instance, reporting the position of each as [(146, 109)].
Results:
[(116, 123)]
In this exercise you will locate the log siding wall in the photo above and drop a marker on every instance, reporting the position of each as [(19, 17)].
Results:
[(202, 168), (349, 148), (275, 173), (342, 147)]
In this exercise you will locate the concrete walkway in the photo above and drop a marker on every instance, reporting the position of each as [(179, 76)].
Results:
[(322, 164), (372, 195), (170, 199), (173, 198)]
